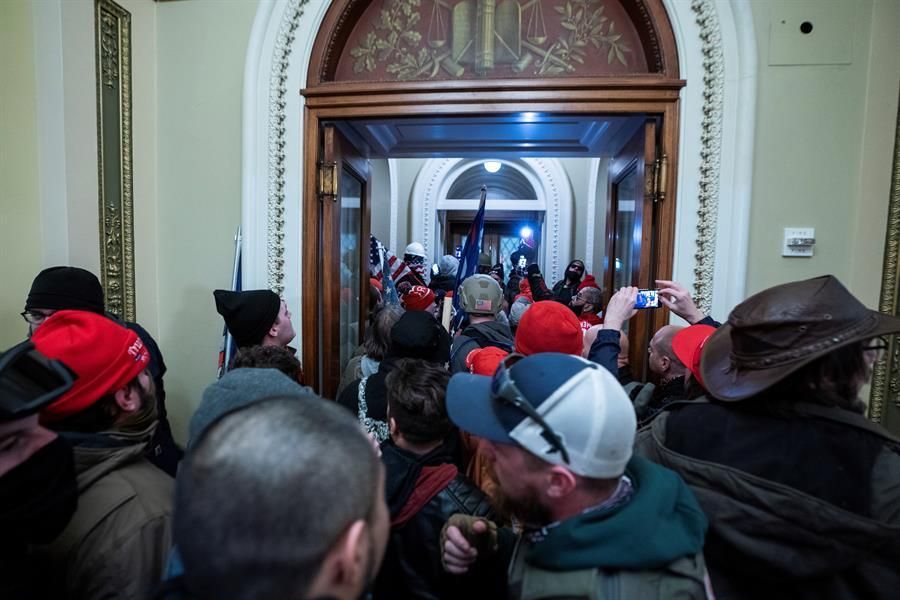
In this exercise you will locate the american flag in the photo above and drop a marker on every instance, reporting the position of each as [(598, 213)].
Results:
[(399, 270)]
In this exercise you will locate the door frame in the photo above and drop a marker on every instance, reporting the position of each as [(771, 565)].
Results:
[(653, 97)]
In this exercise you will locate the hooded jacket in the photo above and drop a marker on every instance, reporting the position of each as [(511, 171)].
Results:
[(480, 335), (659, 531), (116, 543), (799, 507)]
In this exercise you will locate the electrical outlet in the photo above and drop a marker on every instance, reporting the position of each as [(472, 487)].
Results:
[(798, 241)]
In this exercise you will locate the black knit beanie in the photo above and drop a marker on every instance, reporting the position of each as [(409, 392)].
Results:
[(248, 315), (66, 288), (417, 334)]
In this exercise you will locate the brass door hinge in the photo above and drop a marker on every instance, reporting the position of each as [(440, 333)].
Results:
[(660, 178), (328, 181)]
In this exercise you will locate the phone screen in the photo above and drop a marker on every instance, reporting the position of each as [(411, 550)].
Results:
[(647, 299)]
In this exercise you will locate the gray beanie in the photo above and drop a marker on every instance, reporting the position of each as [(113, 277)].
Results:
[(518, 309), (237, 389), (448, 265)]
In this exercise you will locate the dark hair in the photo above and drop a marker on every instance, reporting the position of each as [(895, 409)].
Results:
[(268, 357), (378, 335), (416, 400), (256, 520), (831, 380)]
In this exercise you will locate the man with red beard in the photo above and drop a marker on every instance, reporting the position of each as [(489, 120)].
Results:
[(560, 431), (116, 543)]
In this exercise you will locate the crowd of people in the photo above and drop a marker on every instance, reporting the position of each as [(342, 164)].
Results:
[(517, 456)]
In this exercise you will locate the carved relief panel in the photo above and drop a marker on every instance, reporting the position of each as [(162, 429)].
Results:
[(415, 40)]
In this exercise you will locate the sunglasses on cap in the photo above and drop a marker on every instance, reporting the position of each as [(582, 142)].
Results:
[(504, 389), (29, 381)]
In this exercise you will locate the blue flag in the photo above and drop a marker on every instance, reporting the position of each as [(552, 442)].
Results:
[(468, 262)]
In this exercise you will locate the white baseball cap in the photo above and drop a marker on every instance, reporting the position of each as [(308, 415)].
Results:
[(562, 408)]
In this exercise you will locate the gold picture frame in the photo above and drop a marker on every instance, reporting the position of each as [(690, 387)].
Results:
[(884, 401), (113, 59)]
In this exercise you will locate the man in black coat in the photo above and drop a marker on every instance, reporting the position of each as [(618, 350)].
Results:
[(566, 288), (801, 490), (424, 488)]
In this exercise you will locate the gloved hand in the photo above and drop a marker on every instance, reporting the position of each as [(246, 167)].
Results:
[(464, 539)]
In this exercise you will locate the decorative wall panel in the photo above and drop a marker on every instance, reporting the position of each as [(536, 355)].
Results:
[(884, 402), (113, 59), (408, 40)]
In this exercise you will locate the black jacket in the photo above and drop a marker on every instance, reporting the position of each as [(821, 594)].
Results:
[(480, 335), (162, 451), (412, 562), (800, 506)]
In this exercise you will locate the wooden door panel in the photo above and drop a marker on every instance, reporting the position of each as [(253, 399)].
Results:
[(344, 259), (630, 231)]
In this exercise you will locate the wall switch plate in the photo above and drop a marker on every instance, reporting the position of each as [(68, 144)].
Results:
[(798, 241)]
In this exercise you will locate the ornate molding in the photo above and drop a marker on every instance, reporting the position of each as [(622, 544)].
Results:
[(277, 142), (710, 151), (546, 176), (886, 374), (112, 25)]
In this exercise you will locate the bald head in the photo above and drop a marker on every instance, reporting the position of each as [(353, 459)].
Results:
[(663, 361)]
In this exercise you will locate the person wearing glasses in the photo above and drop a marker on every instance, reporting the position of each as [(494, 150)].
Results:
[(594, 520), (73, 288), (802, 491), (115, 544)]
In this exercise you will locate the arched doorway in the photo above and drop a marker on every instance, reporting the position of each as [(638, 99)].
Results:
[(717, 56), (479, 57), (552, 200)]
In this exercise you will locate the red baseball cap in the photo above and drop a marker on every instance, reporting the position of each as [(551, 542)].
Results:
[(549, 326), (688, 347), (104, 355)]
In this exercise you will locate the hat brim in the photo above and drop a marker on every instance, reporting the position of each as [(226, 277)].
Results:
[(732, 385), (470, 407)]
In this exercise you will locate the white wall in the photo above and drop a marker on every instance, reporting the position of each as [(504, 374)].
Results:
[(823, 145), (201, 48), (20, 210)]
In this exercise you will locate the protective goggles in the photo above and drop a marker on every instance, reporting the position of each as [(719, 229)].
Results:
[(503, 389), (29, 381)]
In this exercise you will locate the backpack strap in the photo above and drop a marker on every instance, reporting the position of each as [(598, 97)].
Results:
[(377, 428)]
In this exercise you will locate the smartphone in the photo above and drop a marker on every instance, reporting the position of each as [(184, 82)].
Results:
[(647, 299)]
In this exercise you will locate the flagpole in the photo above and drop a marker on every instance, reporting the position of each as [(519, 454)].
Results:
[(469, 258), (225, 354)]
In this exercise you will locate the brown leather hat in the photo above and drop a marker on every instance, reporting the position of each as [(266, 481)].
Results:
[(773, 333)]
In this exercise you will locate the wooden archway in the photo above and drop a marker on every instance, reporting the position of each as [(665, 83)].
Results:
[(393, 58)]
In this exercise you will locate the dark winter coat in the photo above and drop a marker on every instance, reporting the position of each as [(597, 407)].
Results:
[(800, 506), (162, 450), (563, 291), (480, 335), (422, 493)]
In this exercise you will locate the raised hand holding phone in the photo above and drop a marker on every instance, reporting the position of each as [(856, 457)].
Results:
[(620, 308)]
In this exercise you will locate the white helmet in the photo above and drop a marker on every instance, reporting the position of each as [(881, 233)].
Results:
[(416, 249)]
